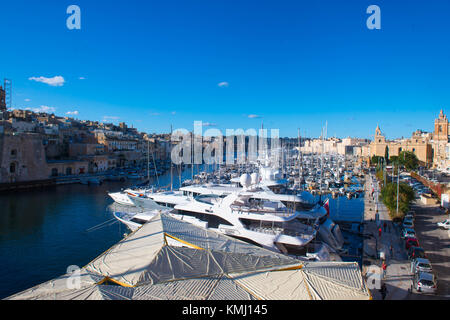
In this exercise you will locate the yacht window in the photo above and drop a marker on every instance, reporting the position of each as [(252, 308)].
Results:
[(213, 221), (137, 220)]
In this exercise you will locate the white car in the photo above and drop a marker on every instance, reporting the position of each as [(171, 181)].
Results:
[(421, 265), (444, 224), (425, 282)]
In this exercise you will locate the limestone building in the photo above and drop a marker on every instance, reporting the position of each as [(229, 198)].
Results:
[(440, 141), (418, 144)]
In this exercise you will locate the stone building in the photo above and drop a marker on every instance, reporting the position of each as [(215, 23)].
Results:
[(417, 144), (22, 158), (85, 149), (440, 141), (56, 168)]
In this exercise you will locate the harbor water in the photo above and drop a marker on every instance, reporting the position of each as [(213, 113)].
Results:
[(45, 231)]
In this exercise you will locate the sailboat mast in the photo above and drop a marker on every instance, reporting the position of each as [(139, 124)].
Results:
[(192, 158), (321, 165), (171, 173), (298, 156), (148, 159)]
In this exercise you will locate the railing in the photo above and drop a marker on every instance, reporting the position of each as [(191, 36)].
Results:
[(436, 187), (281, 231), (256, 210)]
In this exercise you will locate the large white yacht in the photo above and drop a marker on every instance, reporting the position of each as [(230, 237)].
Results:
[(259, 189), (250, 213), (263, 223)]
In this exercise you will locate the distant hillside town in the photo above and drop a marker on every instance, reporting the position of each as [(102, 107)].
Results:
[(432, 149), (38, 146)]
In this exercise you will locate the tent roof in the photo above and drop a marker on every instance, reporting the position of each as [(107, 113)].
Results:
[(167, 249), (171, 259)]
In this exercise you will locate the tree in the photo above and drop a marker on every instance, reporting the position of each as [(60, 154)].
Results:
[(409, 160), (394, 160), (375, 159), (386, 155), (389, 198)]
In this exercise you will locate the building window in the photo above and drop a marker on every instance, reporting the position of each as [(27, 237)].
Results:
[(414, 150), (69, 171), (13, 153), (54, 172), (12, 168)]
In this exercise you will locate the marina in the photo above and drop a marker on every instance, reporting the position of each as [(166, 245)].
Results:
[(207, 152), (45, 231)]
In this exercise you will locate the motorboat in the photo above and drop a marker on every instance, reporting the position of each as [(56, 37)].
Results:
[(246, 213)]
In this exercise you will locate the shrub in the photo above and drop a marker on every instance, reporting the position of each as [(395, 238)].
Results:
[(389, 198)]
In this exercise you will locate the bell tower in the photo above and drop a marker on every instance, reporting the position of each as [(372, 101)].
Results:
[(379, 138), (441, 127)]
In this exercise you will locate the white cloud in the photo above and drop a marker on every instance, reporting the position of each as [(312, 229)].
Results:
[(81, 78), (155, 114), (224, 84), (253, 116), (173, 113), (27, 100), (45, 109), (72, 113), (57, 81)]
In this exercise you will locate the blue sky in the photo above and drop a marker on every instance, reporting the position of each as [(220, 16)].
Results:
[(289, 64)]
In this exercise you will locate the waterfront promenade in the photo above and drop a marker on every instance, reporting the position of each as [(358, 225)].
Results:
[(398, 276)]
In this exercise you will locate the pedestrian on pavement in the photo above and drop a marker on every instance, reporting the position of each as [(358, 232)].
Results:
[(379, 232), (385, 226), (392, 251), (384, 266), (383, 291)]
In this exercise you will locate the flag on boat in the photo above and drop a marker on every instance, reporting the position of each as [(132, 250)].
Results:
[(326, 205)]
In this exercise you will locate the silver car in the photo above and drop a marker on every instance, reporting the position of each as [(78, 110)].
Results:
[(421, 265), (425, 282)]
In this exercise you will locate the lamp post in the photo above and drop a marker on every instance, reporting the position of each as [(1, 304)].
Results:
[(398, 185)]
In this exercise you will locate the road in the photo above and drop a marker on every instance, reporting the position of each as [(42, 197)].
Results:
[(436, 243)]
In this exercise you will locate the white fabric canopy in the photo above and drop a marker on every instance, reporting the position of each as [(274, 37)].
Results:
[(171, 259)]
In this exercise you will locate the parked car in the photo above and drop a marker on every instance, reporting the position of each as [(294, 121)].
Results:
[(425, 282), (416, 252), (407, 224), (409, 217), (444, 224), (411, 242), (408, 233), (421, 265), (411, 213)]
